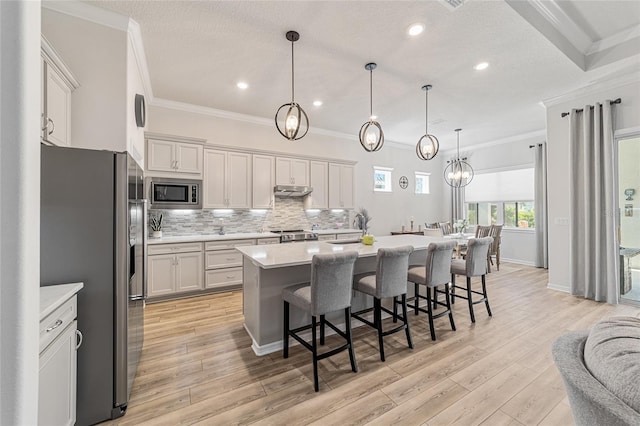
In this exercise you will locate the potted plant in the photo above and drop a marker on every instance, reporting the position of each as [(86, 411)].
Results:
[(155, 223)]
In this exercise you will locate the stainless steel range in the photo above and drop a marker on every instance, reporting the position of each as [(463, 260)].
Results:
[(295, 235)]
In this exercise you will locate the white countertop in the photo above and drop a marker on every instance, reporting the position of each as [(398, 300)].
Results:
[(212, 237), (52, 296), (292, 254), (335, 231)]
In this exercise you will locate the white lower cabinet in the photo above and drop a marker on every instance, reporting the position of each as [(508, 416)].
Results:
[(175, 268), (59, 341), (224, 263)]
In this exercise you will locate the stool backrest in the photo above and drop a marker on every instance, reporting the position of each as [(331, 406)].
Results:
[(483, 231), (439, 263), (477, 250), (331, 281), (391, 271), (495, 232), (446, 228)]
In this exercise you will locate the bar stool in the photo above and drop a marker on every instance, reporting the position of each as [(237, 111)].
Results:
[(474, 265), (328, 291), (434, 273), (389, 280)]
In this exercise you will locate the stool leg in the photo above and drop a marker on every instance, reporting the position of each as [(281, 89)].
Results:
[(395, 309), (352, 354), (377, 313), (430, 313), (314, 350), (453, 325), (435, 297), (453, 288), (486, 298), (473, 318), (417, 301), (406, 320), (322, 329), (285, 337)]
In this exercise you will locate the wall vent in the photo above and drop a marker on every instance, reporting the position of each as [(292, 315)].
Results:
[(452, 4)]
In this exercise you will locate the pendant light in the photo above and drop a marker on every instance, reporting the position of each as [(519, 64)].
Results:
[(458, 173), (371, 134), (428, 145), (294, 124)]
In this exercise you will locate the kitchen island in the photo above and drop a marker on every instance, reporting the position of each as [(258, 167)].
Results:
[(269, 269)]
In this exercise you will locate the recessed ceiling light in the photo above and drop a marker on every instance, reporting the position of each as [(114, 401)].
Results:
[(317, 103), (242, 85), (415, 29), (481, 66)]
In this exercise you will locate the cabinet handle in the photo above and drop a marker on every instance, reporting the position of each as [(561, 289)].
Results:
[(54, 326), (78, 339), (177, 162), (53, 126), (44, 122), (229, 259), (230, 277)]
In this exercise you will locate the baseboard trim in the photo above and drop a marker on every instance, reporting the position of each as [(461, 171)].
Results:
[(557, 287), (518, 261)]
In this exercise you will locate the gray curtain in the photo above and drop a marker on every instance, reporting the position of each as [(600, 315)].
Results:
[(540, 213), (593, 247)]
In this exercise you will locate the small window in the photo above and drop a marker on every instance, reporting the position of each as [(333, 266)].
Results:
[(422, 183), (382, 179), (519, 215)]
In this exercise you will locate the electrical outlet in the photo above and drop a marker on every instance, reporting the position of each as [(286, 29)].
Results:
[(562, 221)]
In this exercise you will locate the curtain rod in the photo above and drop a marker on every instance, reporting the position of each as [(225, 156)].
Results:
[(617, 101)]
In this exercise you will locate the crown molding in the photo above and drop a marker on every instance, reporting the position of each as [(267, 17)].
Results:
[(542, 133), (54, 60), (90, 13), (552, 12), (597, 86), (252, 119), (614, 40)]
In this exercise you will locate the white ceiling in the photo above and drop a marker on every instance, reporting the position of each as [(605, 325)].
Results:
[(198, 51)]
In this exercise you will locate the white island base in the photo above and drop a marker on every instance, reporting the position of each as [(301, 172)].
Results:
[(269, 269)]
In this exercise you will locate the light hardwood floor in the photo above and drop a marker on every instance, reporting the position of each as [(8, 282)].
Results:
[(197, 366)]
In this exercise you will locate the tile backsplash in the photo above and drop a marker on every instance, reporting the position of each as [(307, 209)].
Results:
[(289, 213)]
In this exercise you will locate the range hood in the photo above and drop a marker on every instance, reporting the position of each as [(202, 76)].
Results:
[(291, 190)]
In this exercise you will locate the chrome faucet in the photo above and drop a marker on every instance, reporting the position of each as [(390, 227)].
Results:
[(221, 231)]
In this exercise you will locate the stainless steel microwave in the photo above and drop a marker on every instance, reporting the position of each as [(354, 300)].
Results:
[(167, 193)]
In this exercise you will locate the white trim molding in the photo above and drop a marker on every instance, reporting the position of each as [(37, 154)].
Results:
[(90, 13), (556, 287), (596, 86), (541, 134), (135, 36)]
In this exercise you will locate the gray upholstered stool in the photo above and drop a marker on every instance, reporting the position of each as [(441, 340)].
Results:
[(436, 272), (389, 280), (475, 265), (328, 291)]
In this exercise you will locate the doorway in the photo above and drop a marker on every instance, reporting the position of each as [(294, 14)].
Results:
[(629, 217)]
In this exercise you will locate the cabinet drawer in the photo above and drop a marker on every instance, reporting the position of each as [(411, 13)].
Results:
[(223, 277), (328, 237), (56, 322), (263, 241), (228, 244), (173, 248), (223, 259), (348, 236)]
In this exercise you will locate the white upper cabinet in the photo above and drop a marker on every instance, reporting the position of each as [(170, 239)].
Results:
[(292, 171), (227, 180), (171, 158), (57, 84), (263, 181), (341, 186), (319, 181)]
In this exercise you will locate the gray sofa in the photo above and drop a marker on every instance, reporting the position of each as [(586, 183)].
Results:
[(601, 372)]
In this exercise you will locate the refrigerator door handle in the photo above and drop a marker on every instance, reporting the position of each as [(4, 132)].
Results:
[(145, 228)]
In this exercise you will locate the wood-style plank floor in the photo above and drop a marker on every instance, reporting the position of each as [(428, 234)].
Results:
[(197, 366)]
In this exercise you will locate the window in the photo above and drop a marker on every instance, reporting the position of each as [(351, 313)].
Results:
[(382, 179), (493, 198), (422, 183)]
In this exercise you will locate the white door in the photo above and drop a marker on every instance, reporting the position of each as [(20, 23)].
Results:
[(263, 181), (319, 181), (189, 271), (214, 182), (160, 156), (283, 171), (57, 389), (347, 181), (189, 158), (335, 196), (58, 109), (300, 172), (239, 180), (161, 274)]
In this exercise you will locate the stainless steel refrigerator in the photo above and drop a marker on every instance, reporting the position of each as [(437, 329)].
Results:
[(93, 230)]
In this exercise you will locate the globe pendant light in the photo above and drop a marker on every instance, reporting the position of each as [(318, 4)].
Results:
[(458, 173), (295, 123), (428, 145), (371, 134)]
